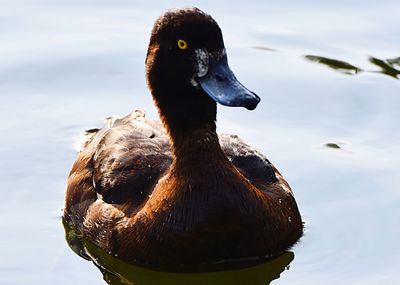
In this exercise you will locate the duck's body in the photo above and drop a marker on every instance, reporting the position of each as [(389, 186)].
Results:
[(181, 195)]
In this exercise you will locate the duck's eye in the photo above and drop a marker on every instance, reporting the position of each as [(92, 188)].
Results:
[(182, 44)]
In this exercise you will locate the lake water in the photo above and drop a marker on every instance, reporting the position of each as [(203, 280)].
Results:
[(65, 65)]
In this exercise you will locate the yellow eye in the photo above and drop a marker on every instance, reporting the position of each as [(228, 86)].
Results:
[(182, 44)]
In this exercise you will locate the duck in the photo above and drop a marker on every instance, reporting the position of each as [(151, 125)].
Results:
[(173, 193)]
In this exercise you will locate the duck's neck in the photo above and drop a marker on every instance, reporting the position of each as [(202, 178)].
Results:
[(193, 137), (186, 111), (199, 146), (190, 122)]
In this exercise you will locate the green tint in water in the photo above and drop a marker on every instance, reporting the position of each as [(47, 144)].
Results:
[(394, 61), (335, 64), (118, 272), (386, 66), (333, 145)]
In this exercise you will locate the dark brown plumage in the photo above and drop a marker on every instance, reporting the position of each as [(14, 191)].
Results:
[(180, 196)]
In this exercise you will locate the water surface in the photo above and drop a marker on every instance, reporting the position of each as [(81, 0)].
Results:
[(65, 65)]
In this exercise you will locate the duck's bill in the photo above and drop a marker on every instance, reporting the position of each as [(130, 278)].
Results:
[(221, 84)]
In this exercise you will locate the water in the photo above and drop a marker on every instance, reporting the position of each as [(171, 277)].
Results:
[(66, 65)]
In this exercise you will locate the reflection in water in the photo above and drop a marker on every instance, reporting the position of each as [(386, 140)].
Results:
[(333, 145), (387, 66), (264, 48), (335, 64), (394, 61), (118, 272)]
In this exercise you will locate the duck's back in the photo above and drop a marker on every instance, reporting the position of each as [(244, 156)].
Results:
[(131, 153), (119, 166)]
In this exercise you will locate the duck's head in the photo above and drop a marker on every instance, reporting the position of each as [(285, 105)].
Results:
[(187, 69)]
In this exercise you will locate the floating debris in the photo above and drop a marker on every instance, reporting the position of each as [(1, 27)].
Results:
[(264, 48), (394, 61), (337, 65), (333, 145), (387, 66)]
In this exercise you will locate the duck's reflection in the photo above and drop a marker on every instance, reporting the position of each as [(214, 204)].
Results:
[(116, 271)]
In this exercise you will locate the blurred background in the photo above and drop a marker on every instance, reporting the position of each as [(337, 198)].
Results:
[(329, 118)]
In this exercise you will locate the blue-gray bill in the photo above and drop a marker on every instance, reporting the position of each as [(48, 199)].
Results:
[(221, 84)]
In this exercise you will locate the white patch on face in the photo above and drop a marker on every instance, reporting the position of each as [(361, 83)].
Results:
[(202, 59)]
